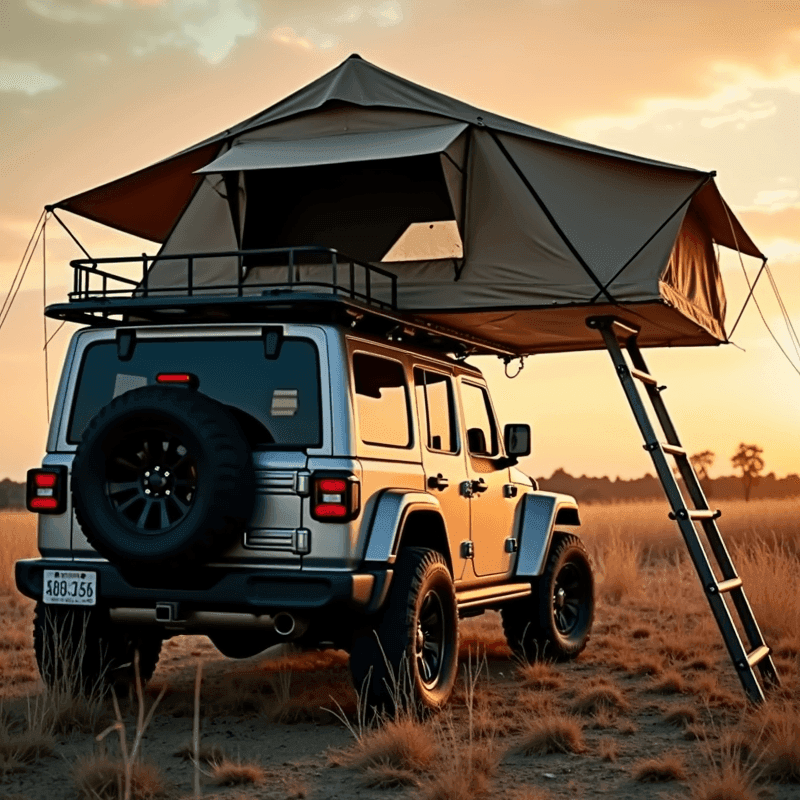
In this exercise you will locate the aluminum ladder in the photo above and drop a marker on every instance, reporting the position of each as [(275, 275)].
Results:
[(617, 334)]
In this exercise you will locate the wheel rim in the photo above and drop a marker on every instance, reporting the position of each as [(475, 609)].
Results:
[(151, 480), (568, 598), (429, 640)]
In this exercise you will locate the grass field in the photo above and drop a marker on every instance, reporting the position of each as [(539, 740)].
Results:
[(651, 709)]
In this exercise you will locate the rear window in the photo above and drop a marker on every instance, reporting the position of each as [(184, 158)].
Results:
[(276, 401)]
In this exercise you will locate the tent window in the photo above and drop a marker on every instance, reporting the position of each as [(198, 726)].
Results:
[(358, 208), (427, 241)]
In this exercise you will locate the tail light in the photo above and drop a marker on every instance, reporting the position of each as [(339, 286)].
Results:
[(335, 497), (178, 378), (46, 491)]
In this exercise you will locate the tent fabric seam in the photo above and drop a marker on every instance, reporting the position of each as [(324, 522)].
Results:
[(550, 216)]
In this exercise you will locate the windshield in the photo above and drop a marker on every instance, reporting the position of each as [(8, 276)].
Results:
[(275, 400)]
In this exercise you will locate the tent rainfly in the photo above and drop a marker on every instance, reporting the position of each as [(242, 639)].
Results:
[(496, 228)]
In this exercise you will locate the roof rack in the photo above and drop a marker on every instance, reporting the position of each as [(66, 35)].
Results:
[(340, 289)]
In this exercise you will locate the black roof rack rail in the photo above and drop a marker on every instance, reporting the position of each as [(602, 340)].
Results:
[(352, 292)]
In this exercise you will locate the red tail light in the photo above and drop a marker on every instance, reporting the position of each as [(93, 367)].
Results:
[(46, 491), (180, 378), (335, 497)]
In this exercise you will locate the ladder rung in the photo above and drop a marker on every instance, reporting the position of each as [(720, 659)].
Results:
[(696, 513), (624, 327), (757, 655), (729, 585), (673, 449), (644, 377), (704, 514)]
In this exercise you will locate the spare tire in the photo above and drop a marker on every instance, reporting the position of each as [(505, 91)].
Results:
[(161, 473)]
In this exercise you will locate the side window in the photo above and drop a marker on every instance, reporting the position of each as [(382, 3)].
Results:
[(381, 401), (437, 408), (479, 420)]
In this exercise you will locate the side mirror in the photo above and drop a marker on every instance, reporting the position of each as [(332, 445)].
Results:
[(517, 438)]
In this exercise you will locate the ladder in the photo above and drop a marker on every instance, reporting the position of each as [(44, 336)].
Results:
[(757, 654)]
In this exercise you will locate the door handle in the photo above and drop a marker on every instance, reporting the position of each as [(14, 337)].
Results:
[(438, 482), (479, 486)]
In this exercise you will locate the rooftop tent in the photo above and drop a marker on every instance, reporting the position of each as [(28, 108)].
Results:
[(546, 230)]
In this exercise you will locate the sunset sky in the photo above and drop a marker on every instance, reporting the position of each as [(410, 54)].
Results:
[(93, 89)]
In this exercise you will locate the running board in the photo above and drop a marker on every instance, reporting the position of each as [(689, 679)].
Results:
[(491, 595)]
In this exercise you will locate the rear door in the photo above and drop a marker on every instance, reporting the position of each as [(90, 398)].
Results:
[(443, 457)]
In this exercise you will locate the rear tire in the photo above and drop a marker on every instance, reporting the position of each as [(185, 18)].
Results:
[(79, 650), (555, 621), (410, 657)]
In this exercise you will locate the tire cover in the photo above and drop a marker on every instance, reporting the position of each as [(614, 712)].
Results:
[(194, 512)]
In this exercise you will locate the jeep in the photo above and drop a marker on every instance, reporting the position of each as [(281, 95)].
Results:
[(326, 479)]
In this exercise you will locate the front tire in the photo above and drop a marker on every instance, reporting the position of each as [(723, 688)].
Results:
[(410, 657), (79, 651), (555, 621)]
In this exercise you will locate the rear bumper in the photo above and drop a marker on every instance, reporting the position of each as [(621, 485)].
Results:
[(249, 591)]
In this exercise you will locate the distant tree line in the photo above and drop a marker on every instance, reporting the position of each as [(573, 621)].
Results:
[(606, 490), (12, 494)]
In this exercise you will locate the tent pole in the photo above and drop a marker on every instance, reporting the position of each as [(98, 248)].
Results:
[(657, 231), (551, 218)]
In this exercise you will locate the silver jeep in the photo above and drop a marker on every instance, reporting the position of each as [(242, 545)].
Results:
[(302, 481)]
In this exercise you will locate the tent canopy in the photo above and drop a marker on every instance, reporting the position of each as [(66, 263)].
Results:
[(544, 230)]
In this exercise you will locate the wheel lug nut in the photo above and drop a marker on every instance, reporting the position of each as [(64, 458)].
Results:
[(166, 474), (158, 469), (147, 474), (168, 491), (147, 491)]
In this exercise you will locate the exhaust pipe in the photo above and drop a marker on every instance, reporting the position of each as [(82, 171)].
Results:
[(286, 625)]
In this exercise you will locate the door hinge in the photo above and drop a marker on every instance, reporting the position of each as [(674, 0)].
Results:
[(465, 487), (511, 545), (509, 490), (467, 549)]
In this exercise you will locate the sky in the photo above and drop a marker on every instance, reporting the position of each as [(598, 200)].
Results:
[(91, 90)]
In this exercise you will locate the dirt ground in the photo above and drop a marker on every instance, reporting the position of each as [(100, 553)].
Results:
[(672, 694)]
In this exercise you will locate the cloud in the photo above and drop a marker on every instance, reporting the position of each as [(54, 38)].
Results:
[(62, 12), (288, 35), (731, 100), (781, 250), (323, 30), (210, 28), (23, 76), (777, 199), (741, 116), (387, 13)]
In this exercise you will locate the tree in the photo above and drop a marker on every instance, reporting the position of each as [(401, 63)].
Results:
[(748, 459), (702, 462)]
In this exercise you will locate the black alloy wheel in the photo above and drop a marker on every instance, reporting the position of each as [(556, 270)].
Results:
[(429, 641), (408, 657), (569, 596), (162, 476), (555, 621), (151, 479)]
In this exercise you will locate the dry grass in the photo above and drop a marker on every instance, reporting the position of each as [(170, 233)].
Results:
[(775, 728), (681, 715), (601, 697), (663, 768), (18, 535), (670, 682), (608, 749), (403, 744), (540, 675), (553, 733), (99, 777), (235, 772)]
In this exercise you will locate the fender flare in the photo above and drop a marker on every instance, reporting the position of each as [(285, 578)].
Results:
[(392, 508), (541, 512)]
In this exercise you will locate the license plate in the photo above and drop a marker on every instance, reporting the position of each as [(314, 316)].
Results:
[(70, 587)]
